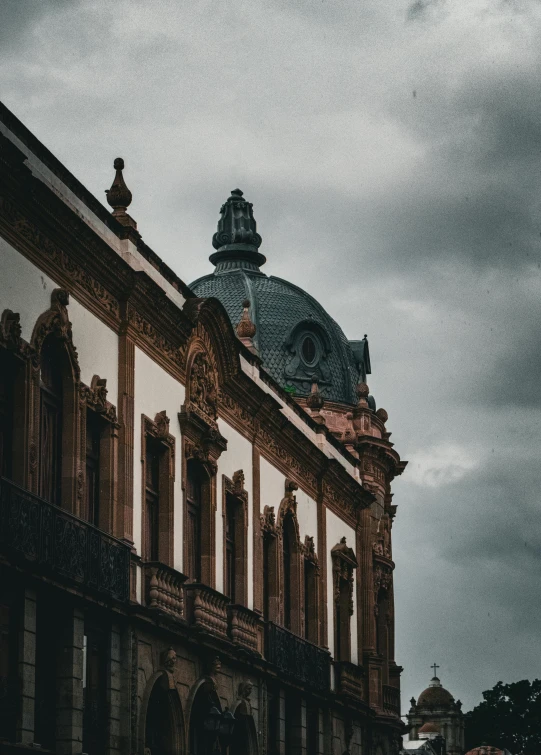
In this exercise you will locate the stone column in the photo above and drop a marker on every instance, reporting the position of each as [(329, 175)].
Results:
[(367, 588), (27, 667), (69, 719), (126, 394)]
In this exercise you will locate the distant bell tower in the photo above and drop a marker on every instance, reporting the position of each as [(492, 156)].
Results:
[(437, 714)]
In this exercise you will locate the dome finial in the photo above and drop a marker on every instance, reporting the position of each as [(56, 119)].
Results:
[(315, 402), (246, 329), (237, 240), (119, 197)]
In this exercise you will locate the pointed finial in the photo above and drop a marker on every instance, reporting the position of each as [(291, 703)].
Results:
[(237, 241), (315, 402), (119, 197), (246, 329)]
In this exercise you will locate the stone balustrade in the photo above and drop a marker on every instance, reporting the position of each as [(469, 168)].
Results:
[(163, 588), (206, 608), (349, 679), (243, 627), (391, 700)]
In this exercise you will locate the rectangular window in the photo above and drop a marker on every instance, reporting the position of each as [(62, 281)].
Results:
[(93, 439), (152, 500)]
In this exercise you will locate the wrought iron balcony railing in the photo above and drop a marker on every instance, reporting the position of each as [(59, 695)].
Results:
[(391, 700), (298, 658), (61, 545)]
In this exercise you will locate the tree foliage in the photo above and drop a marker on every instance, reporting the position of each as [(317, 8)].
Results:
[(509, 717)]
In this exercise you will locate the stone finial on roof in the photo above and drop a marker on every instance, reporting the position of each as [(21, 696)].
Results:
[(119, 197), (315, 402), (236, 238), (246, 329)]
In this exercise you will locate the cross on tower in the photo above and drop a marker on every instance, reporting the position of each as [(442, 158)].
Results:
[(434, 666)]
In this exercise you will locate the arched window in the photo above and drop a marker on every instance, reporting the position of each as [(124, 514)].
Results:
[(52, 391), (194, 502)]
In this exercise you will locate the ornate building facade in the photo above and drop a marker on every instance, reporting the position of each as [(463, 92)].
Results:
[(195, 495)]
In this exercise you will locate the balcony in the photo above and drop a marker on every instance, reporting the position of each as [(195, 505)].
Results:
[(297, 658), (391, 700), (243, 627), (206, 608), (349, 679), (163, 588), (33, 531)]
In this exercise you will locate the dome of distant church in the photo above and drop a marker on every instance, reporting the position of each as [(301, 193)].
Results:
[(429, 728), (435, 696), (297, 340)]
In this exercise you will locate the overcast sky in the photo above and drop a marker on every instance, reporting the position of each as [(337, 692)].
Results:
[(392, 151)]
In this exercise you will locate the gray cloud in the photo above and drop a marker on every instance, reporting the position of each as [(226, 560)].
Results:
[(416, 219)]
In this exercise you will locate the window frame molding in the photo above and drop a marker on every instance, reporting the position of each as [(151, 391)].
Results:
[(344, 562), (203, 443), (158, 430), (235, 488)]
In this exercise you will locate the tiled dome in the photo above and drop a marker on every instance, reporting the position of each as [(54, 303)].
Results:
[(429, 728), (435, 696), (296, 338)]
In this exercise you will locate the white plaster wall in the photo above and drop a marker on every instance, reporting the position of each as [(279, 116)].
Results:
[(272, 492), (239, 455), (336, 530), (156, 390), (272, 486), (307, 516), (26, 290), (97, 348), (23, 287)]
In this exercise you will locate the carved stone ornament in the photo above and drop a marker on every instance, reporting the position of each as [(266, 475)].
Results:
[(268, 520), (95, 398), (244, 706), (169, 661), (203, 390), (55, 321), (383, 578), (382, 543), (159, 429), (10, 330), (343, 564), (308, 549)]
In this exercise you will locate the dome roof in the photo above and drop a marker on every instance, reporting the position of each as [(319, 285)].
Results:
[(295, 337), (485, 750), (429, 728), (435, 696)]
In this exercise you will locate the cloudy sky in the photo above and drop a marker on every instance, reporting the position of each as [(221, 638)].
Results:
[(392, 150)]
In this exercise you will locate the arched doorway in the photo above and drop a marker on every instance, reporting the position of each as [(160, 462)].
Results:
[(164, 726)]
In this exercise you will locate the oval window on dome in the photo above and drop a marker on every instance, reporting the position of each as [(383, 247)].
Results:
[(309, 350)]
